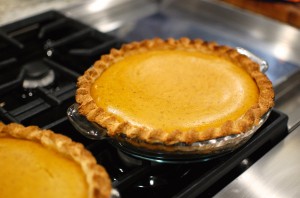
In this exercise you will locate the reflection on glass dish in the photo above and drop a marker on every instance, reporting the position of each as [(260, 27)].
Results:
[(198, 151)]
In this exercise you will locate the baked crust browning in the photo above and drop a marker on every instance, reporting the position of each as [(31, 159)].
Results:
[(99, 184), (117, 126)]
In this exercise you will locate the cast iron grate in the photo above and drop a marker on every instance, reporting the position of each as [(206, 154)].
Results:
[(52, 42)]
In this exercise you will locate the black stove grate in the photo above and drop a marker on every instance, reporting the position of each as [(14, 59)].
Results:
[(51, 40), (68, 47)]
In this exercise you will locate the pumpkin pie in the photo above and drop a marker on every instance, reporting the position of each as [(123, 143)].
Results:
[(174, 91), (40, 163)]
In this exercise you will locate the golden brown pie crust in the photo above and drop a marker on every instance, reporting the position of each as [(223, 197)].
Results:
[(97, 178), (116, 126)]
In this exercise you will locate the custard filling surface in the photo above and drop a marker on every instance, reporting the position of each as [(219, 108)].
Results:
[(175, 90), (30, 170)]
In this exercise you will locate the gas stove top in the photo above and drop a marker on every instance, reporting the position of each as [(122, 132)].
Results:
[(41, 59)]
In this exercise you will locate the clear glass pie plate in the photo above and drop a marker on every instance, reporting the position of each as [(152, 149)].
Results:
[(159, 152)]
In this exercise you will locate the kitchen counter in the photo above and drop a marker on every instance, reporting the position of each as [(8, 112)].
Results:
[(14, 10), (285, 12), (275, 175)]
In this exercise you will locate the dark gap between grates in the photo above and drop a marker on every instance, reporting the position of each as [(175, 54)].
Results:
[(60, 30), (9, 48), (46, 115), (82, 50)]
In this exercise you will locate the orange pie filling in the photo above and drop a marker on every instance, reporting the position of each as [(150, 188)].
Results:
[(30, 170), (175, 90)]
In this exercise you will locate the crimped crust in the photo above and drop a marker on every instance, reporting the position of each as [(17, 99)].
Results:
[(97, 179), (116, 126)]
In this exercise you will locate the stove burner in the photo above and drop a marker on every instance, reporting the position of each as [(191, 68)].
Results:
[(37, 74)]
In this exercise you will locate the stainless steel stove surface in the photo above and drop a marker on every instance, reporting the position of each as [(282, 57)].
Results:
[(42, 56)]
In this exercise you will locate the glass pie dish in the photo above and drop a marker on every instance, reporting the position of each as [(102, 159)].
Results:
[(179, 152)]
